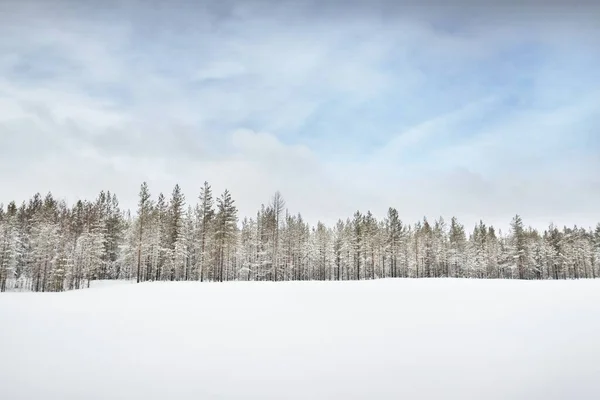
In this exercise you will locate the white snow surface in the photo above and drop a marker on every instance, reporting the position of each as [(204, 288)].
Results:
[(102, 283), (386, 339)]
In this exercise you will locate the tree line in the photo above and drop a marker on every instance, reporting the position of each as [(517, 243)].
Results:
[(45, 245)]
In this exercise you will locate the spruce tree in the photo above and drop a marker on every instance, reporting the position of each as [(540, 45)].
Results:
[(226, 221), (518, 246), (144, 209), (204, 221)]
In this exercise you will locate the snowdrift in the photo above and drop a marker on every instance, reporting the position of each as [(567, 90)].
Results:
[(387, 339)]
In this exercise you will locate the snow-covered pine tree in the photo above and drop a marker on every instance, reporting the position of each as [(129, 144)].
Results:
[(322, 256), (278, 207), (493, 254), (338, 248), (175, 239), (10, 240), (143, 219), (357, 241), (161, 249), (478, 251), (369, 227), (127, 258), (440, 248), (189, 247), (518, 246), (204, 227), (248, 250), (596, 251), (225, 232), (457, 243)]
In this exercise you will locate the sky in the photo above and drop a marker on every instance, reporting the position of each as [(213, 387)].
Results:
[(468, 109)]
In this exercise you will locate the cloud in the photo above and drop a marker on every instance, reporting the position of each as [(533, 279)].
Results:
[(471, 110), (219, 71)]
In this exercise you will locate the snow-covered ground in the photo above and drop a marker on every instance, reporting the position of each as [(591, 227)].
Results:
[(387, 339), (103, 283)]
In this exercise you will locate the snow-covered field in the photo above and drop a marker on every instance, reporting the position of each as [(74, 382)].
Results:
[(387, 339), (109, 283)]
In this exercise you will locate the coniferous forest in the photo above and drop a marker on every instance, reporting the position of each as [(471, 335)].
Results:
[(46, 245)]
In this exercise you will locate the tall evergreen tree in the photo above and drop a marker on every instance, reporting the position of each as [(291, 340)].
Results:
[(357, 240), (144, 209), (278, 206), (204, 219), (225, 231), (518, 242), (457, 241), (175, 240)]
